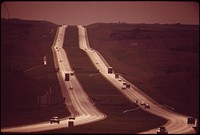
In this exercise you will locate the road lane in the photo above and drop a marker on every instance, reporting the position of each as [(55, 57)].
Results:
[(76, 100), (87, 112), (176, 122)]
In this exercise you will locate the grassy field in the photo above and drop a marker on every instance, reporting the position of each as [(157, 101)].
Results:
[(107, 98), (161, 60), (23, 46)]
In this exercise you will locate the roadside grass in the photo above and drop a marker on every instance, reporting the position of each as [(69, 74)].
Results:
[(163, 66), (128, 123), (23, 45), (107, 98)]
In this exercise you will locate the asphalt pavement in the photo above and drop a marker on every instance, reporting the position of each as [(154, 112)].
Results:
[(177, 123)]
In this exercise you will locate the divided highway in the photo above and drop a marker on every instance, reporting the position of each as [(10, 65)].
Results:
[(79, 104), (76, 100), (177, 123)]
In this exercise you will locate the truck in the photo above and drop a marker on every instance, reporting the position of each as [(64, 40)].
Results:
[(110, 70), (67, 76)]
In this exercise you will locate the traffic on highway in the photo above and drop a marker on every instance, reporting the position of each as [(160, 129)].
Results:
[(177, 123), (78, 103), (81, 107)]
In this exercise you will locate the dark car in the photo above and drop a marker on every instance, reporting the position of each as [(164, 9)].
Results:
[(191, 120), (147, 106), (55, 119), (162, 130), (123, 88)]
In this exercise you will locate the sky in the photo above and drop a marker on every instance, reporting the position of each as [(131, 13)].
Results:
[(88, 12)]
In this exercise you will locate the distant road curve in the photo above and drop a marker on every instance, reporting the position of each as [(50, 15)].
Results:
[(177, 123)]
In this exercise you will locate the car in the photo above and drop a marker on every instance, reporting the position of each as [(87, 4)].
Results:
[(190, 120), (162, 130), (54, 119), (147, 106), (72, 73), (93, 101), (123, 88), (71, 88), (143, 103), (116, 75), (128, 85)]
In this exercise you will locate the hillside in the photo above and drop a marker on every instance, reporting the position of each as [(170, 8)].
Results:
[(160, 59), (24, 79)]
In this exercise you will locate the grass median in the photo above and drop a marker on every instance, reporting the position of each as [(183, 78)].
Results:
[(161, 60), (107, 98)]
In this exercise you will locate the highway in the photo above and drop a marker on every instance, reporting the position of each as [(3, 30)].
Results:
[(76, 100), (79, 104), (177, 123)]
